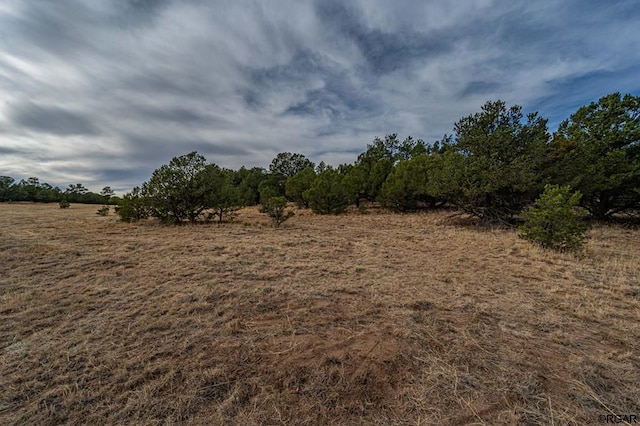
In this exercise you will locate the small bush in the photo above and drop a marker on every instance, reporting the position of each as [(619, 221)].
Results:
[(64, 204), (275, 207), (553, 222), (103, 211), (133, 207)]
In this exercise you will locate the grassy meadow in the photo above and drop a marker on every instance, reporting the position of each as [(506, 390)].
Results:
[(374, 318)]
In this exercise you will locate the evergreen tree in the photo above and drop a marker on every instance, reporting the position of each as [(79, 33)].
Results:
[(174, 192), (597, 152), (222, 192), (553, 222), (328, 194), (297, 184), (406, 186), (494, 167)]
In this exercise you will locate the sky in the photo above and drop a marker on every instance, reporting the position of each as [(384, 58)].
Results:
[(104, 92)]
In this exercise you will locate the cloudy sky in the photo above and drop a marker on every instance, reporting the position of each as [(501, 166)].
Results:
[(103, 92)]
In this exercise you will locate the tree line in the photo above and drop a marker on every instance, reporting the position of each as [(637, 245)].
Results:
[(496, 162), (33, 190)]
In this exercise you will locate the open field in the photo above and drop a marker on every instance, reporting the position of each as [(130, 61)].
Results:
[(352, 319)]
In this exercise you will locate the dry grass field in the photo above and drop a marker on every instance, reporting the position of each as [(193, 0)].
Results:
[(354, 319)]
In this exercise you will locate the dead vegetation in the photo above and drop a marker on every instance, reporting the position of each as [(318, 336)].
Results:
[(352, 319)]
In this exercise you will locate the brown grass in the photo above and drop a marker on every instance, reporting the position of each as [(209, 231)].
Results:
[(352, 319)]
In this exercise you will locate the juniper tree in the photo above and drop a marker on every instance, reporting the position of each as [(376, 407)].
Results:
[(553, 221), (493, 167), (597, 152)]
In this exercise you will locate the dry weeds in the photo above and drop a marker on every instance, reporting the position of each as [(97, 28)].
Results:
[(352, 319)]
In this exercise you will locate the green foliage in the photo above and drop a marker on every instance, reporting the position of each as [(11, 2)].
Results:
[(221, 192), (411, 148), (103, 211), (174, 192), (406, 186), (296, 185), (597, 152), (75, 193), (288, 164), (107, 192), (276, 208), (553, 222), (366, 177), (6, 188), (494, 166), (248, 181), (28, 190), (321, 167), (272, 185), (6, 182), (186, 187), (35, 191), (328, 194), (372, 167), (64, 204), (133, 207)]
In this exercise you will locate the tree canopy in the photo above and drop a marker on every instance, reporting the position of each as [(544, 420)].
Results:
[(289, 164), (597, 152), (174, 191), (492, 169)]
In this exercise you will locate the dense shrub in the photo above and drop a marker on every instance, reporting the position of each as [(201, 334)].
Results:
[(248, 182), (328, 194), (297, 184), (221, 193), (272, 185), (406, 187), (133, 207), (365, 178), (553, 221), (64, 204)]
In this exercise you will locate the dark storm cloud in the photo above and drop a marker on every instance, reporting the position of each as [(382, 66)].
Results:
[(212, 151), (383, 51), (479, 88), (172, 114), (5, 150), (144, 8), (298, 73), (336, 95), (118, 178), (50, 26), (51, 119), (157, 149), (174, 82)]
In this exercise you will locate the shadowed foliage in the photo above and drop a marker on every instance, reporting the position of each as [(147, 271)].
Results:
[(597, 152)]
